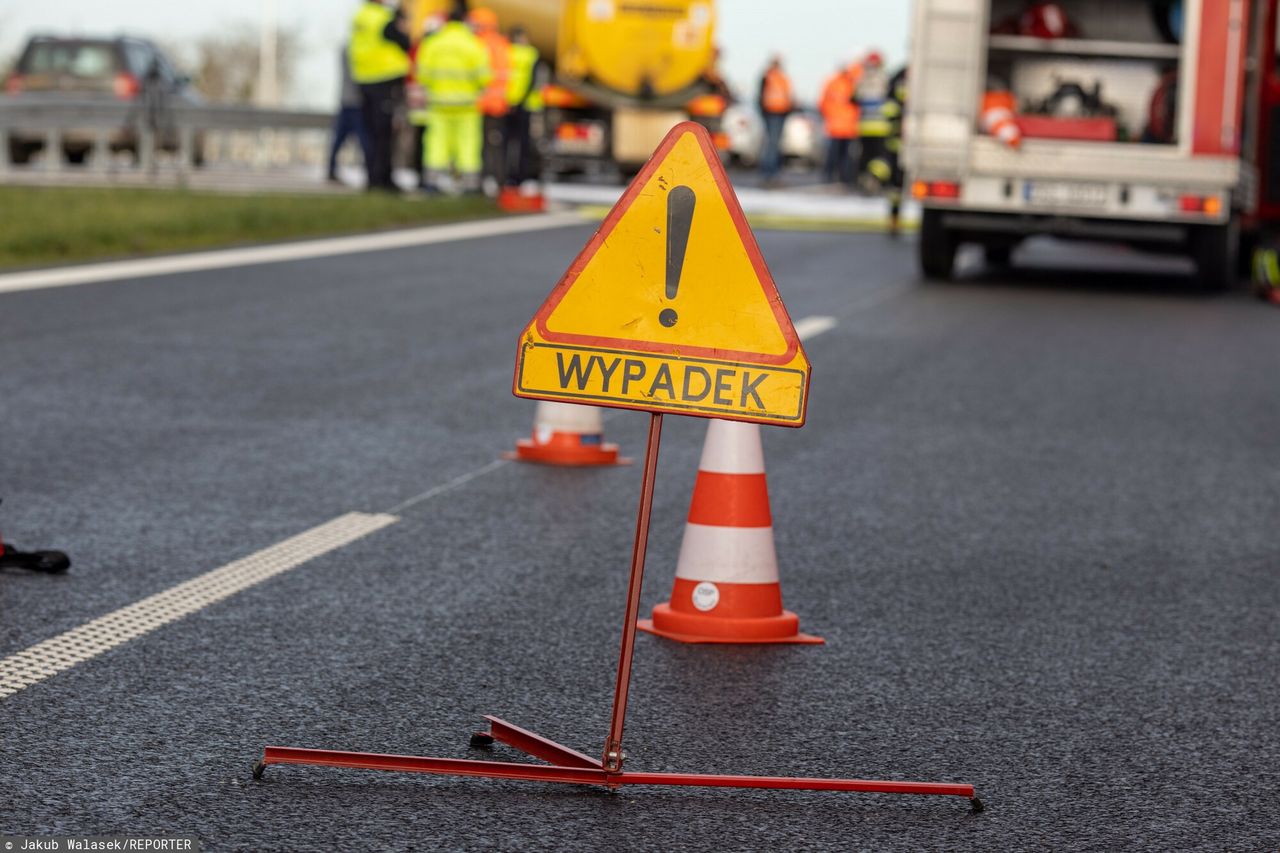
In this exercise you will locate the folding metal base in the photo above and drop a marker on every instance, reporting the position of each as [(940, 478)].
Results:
[(572, 767)]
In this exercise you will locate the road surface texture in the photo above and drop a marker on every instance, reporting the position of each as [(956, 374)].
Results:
[(1035, 517)]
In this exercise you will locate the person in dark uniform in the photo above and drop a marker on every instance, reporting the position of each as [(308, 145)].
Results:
[(349, 120)]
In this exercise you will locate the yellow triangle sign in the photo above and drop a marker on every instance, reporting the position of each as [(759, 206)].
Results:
[(670, 306)]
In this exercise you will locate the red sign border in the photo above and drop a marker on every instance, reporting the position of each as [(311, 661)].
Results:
[(745, 234)]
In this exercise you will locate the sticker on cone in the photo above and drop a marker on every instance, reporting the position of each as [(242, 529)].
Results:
[(670, 307), (726, 588)]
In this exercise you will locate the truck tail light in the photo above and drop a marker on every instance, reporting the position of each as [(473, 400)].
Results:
[(706, 105), (1209, 205), (126, 86), (571, 131), (935, 189), (13, 84)]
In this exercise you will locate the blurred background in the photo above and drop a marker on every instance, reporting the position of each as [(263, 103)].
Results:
[(983, 123)]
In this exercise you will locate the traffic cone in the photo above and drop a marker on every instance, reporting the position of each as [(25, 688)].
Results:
[(516, 200), (727, 588), (567, 434)]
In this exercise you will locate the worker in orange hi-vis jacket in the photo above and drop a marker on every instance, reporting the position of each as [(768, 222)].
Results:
[(840, 117), (998, 109), (493, 100), (775, 103)]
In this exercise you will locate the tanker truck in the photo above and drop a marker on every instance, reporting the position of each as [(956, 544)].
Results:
[(623, 73)]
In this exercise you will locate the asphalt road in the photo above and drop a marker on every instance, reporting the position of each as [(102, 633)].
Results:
[(1034, 516)]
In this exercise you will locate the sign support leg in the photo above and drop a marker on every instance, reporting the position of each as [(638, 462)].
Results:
[(566, 765), (613, 754)]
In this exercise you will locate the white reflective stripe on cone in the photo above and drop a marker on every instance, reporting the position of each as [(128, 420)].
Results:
[(727, 554), (567, 417), (732, 448)]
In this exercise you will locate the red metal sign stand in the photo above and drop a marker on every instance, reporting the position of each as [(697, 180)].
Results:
[(570, 766)]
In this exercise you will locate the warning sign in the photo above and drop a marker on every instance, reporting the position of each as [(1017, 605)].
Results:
[(670, 307)]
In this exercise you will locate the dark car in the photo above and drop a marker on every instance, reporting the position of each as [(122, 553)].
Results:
[(126, 69)]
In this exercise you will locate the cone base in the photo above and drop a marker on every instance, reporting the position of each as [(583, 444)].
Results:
[(512, 200), (564, 454), (686, 628)]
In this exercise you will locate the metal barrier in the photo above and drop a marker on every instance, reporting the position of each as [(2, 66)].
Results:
[(153, 126)]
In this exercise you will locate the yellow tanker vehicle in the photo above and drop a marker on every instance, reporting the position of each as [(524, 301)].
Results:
[(623, 73)]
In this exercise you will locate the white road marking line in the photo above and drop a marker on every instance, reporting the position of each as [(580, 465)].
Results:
[(461, 479), (811, 327), (50, 657), (303, 250)]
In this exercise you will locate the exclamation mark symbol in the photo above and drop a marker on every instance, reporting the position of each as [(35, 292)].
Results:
[(680, 203)]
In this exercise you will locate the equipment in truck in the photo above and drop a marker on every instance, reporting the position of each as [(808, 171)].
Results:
[(1039, 20), (1164, 103)]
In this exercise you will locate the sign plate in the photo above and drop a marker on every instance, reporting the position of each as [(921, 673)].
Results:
[(670, 307)]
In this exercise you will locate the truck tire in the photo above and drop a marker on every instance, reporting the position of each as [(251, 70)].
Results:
[(997, 255), (1215, 250), (937, 247)]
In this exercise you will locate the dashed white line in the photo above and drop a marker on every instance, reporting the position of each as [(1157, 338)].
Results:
[(57, 654), (459, 480), (304, 250), (811, 327)]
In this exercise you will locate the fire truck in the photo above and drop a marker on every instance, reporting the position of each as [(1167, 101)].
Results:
[(1148, 122)]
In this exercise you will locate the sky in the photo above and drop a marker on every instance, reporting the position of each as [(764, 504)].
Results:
[(812, 35)]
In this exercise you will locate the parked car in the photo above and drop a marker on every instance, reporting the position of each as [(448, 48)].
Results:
[(121, 69), (742, 124), (802, 136)]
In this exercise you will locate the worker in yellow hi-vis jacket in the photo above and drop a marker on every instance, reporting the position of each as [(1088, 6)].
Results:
[(524, 99), (379, 57), (453, 68)]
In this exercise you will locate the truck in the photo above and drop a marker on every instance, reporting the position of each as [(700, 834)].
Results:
[(1147, 122), (623, 73)]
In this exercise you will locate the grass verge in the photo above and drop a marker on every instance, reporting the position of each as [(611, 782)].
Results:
[(54, 225)]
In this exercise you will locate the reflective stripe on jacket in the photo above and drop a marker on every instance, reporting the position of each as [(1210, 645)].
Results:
[(373, 58), (453, 67)]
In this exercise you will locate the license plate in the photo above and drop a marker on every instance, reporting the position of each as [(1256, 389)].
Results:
[(1065, 194)]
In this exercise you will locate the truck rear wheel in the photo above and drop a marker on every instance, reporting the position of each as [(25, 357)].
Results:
[(1215, 250), (997, 255), (937, 247)]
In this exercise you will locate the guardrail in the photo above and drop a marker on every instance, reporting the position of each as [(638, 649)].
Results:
[(185, 135)]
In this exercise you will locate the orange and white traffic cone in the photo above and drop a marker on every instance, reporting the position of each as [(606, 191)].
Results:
[(567, 434), (518, 200), (727, 588), (998, 118)]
